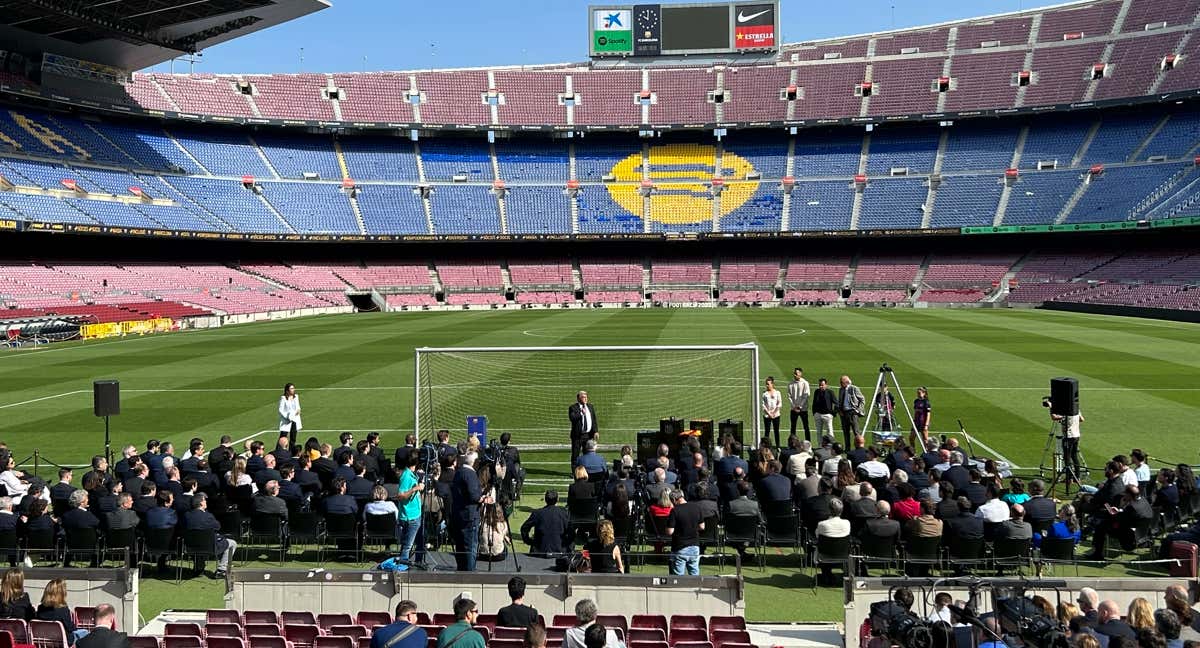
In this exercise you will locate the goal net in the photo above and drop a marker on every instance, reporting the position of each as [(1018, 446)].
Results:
[(527, 390)]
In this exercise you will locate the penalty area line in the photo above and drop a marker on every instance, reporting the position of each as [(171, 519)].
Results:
[(44, 398)]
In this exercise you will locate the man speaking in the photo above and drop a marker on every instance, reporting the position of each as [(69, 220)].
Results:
[(583, 424)]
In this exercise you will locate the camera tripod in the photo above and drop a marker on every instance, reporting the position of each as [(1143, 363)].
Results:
[(886, 428), (1064, 472)]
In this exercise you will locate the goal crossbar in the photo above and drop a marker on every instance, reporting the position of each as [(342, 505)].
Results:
[(751, 387)]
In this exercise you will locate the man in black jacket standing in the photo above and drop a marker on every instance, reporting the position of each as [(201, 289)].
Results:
[(466, 496), (583, 424)]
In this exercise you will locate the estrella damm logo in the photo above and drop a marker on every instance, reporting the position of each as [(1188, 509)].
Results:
[(680, 172)]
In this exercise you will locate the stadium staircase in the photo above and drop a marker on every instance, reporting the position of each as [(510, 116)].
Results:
[(851, 270), (436, 280), (506, 278), (856, 206), (187, 153), (265, 160), (1002, 292), (919, 280)]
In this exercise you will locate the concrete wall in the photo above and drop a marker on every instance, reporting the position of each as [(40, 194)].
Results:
[(91, 587), (350, 591)]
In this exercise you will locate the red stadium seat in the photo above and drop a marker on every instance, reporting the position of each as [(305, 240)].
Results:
[(85, 617), (614, 621), (17, 628), (222, 616), (507, 643), (263, 630), (486, 620), (326, 621), (722, 638), (692, 644), (684, 621), (647, 634), (184, 629), (268, 642), (260, 616), (177, 641), (352, 631), (688, 635), (565, 621), (224, 642), (334, 642), (509, 633), (648, 644), (143, 641), (301, 636), (726, 623), (371, 619), (297, 618), (50, 634), (444, 618), (364, 642), (649, 621), (224, 630)]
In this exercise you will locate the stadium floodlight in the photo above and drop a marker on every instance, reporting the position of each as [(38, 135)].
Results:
[(527, 390)]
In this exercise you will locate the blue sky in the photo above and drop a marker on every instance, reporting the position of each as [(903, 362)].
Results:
[(354, 35)]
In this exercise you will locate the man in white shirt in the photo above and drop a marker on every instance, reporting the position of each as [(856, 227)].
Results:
[(796, 462), (994, 509), (874, 468), (798, 393)]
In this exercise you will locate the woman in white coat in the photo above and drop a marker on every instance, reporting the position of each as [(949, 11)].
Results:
[(289, 413)]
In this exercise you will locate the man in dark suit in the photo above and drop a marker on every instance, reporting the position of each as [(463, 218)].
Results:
[(195, 454), (123, 517), (267, 472), (375, 452), (104, 634), (124, 468), (100, 469), (1110, 624), (289, 491), (78, 517), (324, 467), (465, 495), (8, 519), (133, 483), (1134, 513), (63, 489), (162, 516), (255, 462), (851, 406), (345, 467), (1039, 509), (339, 503), (364, 458), (547, 530), (727, 471), (151, 451), (360, 487), (206, 482), (305, 478), (862, 509), (220, 460), (975, 490), (267, 502), (147, 500), (410, 445), (583, 424), (930, 454), (774, 487), (956, 474), (964, 526), (882, 526), (200, 519), (816, 509), (283, 451)]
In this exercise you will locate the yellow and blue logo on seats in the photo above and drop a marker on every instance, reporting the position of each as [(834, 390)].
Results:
[(680, 173)]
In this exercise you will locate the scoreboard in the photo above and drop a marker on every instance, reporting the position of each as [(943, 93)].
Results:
[(669, 30)]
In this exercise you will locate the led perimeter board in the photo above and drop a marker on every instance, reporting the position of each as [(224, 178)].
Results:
[(670, 30)]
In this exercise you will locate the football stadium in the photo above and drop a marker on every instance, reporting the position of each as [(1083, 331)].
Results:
[(703, 340)]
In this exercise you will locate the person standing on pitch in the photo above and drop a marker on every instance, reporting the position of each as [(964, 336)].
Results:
[(289, 413), (1070, 440), (824, 405), (921, 416), (772, 402), (798, 395), (583, 424), (850, 404)]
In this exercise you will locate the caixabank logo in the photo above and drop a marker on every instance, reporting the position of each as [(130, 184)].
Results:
[(681, 173), (612, 30)]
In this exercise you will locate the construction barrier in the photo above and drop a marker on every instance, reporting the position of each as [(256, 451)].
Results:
[(114, 329)]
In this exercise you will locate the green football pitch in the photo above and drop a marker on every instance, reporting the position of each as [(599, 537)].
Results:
[(1139, 385)]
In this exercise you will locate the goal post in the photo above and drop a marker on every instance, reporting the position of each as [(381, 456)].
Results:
[(527, 390)]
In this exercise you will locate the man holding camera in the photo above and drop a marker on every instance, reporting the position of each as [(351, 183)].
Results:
[(1070, 437)]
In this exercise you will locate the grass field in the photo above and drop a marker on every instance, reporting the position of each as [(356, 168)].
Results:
[(1139, 382)]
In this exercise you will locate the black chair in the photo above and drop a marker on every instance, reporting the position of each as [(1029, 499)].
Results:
[(379, 530), (9, 544), (829, 551), (200, 545), (921, 554), (781, 526), (654, 531), (1058, 550), (159, 546), (342, 530), (41, 543), (269, 531), (243, 498), (961, 553), (1008, 552), (1041, 526), (583, 516), (59, 506), (305, 528), (745, 530), (81, 542), (622, 530), (231, 524), (876, 551), (710, 537), (123, 541)]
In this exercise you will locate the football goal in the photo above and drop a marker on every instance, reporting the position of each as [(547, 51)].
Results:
[(527, 390)]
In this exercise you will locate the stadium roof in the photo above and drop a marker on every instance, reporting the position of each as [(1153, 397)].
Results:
[(134, 34)]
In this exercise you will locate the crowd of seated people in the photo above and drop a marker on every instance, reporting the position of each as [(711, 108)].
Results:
[(1085, 622)]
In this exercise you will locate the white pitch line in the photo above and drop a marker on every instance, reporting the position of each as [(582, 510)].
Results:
[(44, 398), (995, 454)]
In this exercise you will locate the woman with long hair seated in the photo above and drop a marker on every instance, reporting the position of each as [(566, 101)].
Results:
[(604, 551), (54, 608), (493, 534), (14, 601)]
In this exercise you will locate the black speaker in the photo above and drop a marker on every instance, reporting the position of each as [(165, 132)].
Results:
[(106, 397), (647, 445), (1064, 396), (732, 428)]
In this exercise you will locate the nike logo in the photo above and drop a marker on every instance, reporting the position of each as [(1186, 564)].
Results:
[(743, 17)]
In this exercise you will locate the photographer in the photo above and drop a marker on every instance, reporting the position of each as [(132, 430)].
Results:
[(1070, 437), (514, 473)]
